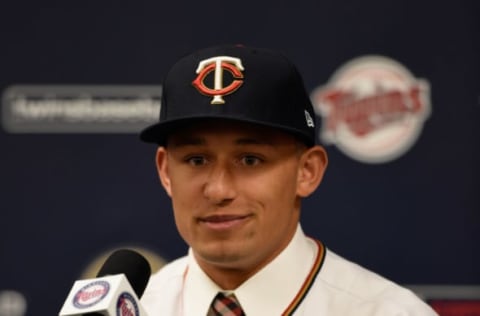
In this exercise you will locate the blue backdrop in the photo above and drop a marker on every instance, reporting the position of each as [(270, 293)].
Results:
[(67, 198)]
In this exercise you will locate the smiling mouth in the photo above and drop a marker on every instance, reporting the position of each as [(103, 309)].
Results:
[(221, 222)]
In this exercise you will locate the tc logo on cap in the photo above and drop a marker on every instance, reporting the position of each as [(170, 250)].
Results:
[(218, 65)]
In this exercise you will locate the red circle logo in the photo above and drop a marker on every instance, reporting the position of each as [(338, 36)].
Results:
[(373, 109)]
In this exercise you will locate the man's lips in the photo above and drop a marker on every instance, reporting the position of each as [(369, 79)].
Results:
[(223, 221)]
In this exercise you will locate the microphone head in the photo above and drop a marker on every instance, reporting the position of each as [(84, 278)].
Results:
[(135, 267)]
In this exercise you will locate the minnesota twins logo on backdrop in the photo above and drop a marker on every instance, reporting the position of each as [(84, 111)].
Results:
[(218, 65), (373, 109)]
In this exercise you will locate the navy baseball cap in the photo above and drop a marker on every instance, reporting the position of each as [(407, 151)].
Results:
[(234, 82)]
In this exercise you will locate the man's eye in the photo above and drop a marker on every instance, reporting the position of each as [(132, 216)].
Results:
[(251, 160), (196, 160)]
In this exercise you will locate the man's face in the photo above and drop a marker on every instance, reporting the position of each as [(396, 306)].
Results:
[(234, 189)]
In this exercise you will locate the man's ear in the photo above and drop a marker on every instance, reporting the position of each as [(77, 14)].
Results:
[(313, 163), (162, 169)]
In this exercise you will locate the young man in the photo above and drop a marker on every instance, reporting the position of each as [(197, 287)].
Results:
[(236, 155)]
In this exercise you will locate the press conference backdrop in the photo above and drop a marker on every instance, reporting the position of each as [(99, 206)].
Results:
[(395, 86)]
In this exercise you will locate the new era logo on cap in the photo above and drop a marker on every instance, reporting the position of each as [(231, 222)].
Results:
[(246, 84)]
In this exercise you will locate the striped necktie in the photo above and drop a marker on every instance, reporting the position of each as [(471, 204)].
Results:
[(225, 306)]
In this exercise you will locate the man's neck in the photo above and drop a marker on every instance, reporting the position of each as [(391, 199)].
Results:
[(229, 277)]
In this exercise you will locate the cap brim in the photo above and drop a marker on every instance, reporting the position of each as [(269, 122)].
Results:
[(159, 132)]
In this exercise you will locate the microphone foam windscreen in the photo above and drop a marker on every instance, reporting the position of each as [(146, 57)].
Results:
[(135, 267)]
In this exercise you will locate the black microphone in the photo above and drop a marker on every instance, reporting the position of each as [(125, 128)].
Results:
[(116, 290), (135, 267)]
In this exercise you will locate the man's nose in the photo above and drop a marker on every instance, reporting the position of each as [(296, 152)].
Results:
[(220, 185)]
